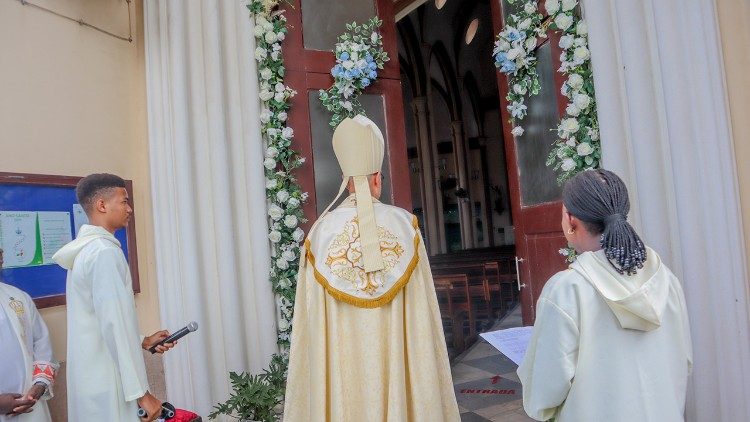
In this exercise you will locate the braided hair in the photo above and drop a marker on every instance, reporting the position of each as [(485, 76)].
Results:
[(599, 199)]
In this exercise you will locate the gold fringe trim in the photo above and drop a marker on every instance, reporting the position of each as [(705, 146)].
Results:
[(363, 302)]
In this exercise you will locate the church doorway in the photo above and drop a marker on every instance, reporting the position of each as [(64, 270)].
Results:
[(487, 203)]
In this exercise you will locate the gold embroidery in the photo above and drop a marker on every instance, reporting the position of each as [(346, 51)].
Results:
[(345, 257), (17, 306)]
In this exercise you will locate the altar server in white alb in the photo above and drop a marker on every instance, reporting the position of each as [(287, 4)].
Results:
[(611, 340), (106, 372), (367, 339), (27, 369)]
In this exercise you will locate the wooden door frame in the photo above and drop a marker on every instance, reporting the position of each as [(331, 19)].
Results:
[(534, 218), (308, 70)]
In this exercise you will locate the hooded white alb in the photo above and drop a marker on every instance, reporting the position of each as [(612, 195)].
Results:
[(607, 346), (106, 371)]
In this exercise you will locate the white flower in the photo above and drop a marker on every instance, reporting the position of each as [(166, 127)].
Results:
[(571, 142), (525, 24), (275, 55), (289, 255), (275, 212), (568, 164), (285, 283), (347, 105), (568, 5), (305, 195), (283, 325), (513, 53), (282, 196), (579, 42), (266, 73), (282, 116), (274, 236), (529, 8), (270, 37), (519, 89), (593, 134), (517, 109), (287, 133), (265, 115), (566, 41), (258, 30), (272, 132), (272, 152), (260, 53), (279, 87), (298, 234), (265, 95), (271, 183), (581, 53), (582, 29), (584, 149), (575, 81), (261, 21), (568, 126), (563, 21), (517, 131), (374, 37), (572, 110), (290, 221), (293, 202), (279, 97), (280, 36), (564, 90), (269, 163), (530, 43), (564, 252), (282, 264), (551, 6), (348, 64), (582, 101), (503, 45)]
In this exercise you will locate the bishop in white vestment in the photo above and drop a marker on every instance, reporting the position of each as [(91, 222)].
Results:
[(26, 358), (367, 341)]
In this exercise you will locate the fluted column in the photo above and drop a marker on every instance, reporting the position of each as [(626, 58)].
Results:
[(426, 162), (464, 204)]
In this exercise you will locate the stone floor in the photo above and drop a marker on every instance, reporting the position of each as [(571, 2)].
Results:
[(487, 387)]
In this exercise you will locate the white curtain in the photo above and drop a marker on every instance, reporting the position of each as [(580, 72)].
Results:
[(212, 253), (665, 129)]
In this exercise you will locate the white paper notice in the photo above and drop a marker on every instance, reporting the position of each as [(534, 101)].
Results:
[(18, 238), (54, 232), (511, 342), (79, 218)]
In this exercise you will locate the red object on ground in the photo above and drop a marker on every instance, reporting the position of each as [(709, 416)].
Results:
[(181, 415)]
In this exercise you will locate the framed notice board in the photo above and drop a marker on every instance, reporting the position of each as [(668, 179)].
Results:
[(39, 214)]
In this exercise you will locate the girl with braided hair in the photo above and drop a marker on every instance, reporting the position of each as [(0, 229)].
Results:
[(611, 341)]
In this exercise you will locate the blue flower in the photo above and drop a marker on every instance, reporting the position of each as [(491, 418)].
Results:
[(501, 57), (365, 82), (344, 56), (372, 65), (348, 74), (513, 35), (356, 73), (368, 58), (508, 67), (373, 74)]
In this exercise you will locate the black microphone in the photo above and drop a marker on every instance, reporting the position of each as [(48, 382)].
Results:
[(176, 336)]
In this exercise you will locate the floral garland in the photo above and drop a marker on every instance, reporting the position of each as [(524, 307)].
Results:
[(359, 56), (578, 146), (284, 194), (514, 56)]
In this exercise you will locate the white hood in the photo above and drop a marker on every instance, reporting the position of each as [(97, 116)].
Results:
[(638, 301), (66, 256)]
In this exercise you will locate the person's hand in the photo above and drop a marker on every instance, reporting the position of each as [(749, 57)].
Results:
[(11, 403), (36, 391), (151, 405), (156, 338)]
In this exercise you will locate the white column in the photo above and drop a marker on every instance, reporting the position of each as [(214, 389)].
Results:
[(426, 162), (665, 129), (464, 204), (212, 253)]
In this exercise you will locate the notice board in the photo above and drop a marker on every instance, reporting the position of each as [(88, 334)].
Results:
[(39, 214)]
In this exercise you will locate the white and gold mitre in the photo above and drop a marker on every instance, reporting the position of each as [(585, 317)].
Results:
[(334, 251), (359, 147)]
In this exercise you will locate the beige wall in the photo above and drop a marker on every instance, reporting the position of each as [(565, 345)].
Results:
[(73, 102), (734, 24)]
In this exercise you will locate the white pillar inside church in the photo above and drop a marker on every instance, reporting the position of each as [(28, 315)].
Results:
[(426, 162)]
